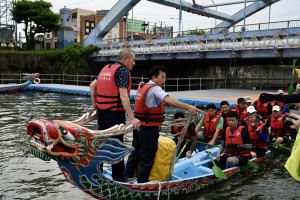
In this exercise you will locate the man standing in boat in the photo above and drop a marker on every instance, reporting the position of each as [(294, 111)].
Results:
[(110, 96), (236, 142), (149, 109), (213, 123)]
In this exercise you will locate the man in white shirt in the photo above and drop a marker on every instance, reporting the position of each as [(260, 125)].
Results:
[(149, 109)]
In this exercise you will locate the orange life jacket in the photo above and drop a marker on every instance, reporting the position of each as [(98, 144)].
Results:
[(147, 116), (210, 126), (235, 138), (256, 141), (108, 95), (276, 125), (262, 109)]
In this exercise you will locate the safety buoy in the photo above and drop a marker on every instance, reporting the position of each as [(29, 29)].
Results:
[(37, 81)]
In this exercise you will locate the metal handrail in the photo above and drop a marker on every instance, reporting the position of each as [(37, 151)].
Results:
[(237, 28), (172, 84)]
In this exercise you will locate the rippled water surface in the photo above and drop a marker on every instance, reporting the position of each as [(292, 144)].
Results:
[(23, 176)]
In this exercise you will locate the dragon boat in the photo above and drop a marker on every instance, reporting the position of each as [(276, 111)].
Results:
[(79, 151), (31, 78)]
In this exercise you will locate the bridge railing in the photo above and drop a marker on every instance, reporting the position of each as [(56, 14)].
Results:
[(272, 39), (237, 28), (172, 84)]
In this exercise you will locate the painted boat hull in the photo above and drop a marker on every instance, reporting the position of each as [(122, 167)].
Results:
[(14, 87), (79, 160), (109, 189)]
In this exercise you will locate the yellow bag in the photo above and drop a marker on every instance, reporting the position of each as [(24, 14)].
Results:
[(293, 163), (161, 165)]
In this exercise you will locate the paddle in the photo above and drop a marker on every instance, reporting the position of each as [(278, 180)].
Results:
[(291, 140), (217, 170), (252, 164), (204, 143), (181, 151), (291, 87), (283, 147), (284, 150), (249, 161)]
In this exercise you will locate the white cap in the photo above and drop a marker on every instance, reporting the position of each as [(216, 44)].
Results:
[(251, 109), (248, 99), (280, 92)]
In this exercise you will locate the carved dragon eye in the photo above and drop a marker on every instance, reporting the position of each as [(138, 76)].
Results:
[(67, 135)]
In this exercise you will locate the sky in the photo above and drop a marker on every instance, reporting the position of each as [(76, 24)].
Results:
[(155, 13)]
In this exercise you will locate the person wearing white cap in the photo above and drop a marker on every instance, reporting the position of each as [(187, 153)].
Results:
[(259, 135), (248, 101), (280, 92), (251, 111), (278, 125), (282, 106)]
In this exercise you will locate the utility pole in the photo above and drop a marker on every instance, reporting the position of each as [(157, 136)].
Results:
[(180, 17), (132, 25)]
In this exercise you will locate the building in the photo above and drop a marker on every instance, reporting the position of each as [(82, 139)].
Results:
[(88, 23), (84, 21), (50, 41)]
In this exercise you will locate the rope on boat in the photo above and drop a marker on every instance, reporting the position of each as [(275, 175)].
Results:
[(188, 119), (159, 188)]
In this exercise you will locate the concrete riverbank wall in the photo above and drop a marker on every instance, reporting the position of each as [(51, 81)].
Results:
[(25, 63), (197, 73)]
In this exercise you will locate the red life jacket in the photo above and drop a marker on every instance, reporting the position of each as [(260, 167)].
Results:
[(256, 141), (262, 109), (187, 134), (247, 120), (279, 103), (235, 138), (147, 116), (225, 124), (108, 95), (276, 125), (210, 126), (242, 114)]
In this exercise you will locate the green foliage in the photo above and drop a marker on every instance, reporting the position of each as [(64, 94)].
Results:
[(196, 32), (37, 17), (71, 60)]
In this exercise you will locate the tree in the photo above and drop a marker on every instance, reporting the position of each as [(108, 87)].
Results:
[(37, 17)]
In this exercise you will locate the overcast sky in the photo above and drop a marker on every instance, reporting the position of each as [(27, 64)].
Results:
[(148, 11)]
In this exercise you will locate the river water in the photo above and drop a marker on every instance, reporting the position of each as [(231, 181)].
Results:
[(23, 176)]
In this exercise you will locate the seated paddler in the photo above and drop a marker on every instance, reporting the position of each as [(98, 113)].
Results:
[(236, 142), (188, 146), (213, 124), (259, 133)]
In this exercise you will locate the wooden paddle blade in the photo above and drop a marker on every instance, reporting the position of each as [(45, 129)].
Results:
[(219, 172), (252, 164)]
